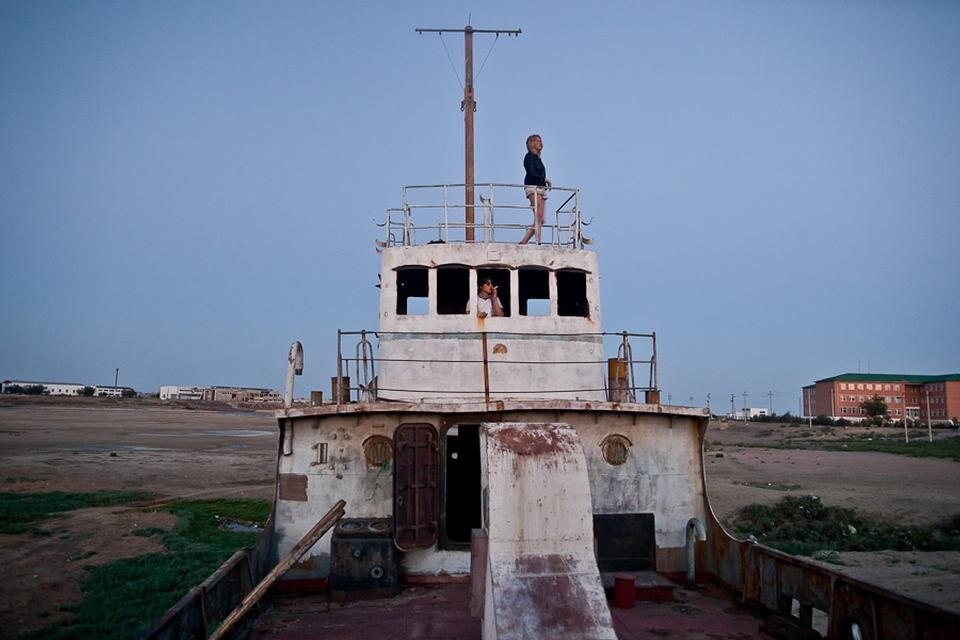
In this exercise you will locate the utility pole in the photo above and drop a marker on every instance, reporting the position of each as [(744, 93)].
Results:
[(744, 406), (469, 106), (733, 409), (770, 402), (116, 378), (929, 428), (708, 405)]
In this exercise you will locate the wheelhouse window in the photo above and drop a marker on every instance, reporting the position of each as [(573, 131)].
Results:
[(501, 280), (453, 289), (534, 286), (572, 293), (412, 291)]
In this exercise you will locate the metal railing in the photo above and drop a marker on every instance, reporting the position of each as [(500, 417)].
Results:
[(357, 376), (438, 210)]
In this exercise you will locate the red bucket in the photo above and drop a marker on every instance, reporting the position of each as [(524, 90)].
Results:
[(624, 592)]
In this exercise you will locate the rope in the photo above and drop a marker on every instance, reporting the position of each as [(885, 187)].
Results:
[(452, 66), (485, 57)]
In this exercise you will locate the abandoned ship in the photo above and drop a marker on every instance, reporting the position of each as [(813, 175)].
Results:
[(505, 476)]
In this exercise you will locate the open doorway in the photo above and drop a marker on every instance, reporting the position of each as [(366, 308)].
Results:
[(460, 508)]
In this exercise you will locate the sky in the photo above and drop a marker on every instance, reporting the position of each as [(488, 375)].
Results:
[(186, 188)]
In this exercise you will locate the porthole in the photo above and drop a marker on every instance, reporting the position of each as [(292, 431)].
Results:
[(616, 449), (378, 450)]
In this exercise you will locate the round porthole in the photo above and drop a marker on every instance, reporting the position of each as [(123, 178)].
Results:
[(378, 450), (616, 449)]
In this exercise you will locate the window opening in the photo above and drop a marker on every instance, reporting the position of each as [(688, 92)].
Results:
[(501, 280), (378, 451), (572, 293), (453, 289), (412, 291), (534, 285), (615, 448), (461, 506)]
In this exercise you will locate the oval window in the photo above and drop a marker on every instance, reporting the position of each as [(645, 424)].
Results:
[(378, 450), (615, 448)]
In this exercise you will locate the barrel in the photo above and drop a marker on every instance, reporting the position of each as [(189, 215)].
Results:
[(617, 380), (343, 397)]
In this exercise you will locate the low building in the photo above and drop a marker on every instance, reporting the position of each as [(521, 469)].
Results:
[(49, 388), (240, 394), (748, 413), (176, 392), (913, 396), (65, 388)]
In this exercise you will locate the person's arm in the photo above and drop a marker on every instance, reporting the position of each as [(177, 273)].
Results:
[(497, 307)]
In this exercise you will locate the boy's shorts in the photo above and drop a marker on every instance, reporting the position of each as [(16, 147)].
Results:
[(530, 189)]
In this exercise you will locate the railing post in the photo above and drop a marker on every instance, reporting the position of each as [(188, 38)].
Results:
[(446, 216), (339, 389), (653, 361)]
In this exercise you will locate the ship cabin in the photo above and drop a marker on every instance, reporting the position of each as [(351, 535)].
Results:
[(400, 440)]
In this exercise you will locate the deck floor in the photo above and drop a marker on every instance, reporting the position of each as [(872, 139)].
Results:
[(443, 613)]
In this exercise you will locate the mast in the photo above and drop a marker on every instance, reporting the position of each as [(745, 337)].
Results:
[(469, 106)]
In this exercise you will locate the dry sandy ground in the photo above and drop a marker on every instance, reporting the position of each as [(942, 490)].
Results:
[(200, 453)]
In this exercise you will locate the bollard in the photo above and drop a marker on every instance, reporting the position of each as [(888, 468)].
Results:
[(624, 591)]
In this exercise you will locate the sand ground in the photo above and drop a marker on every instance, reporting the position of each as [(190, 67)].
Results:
[(177, 452)]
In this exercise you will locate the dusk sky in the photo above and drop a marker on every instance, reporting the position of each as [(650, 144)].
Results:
[(187, 187)]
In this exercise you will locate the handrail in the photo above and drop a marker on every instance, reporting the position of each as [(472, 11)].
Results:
[(434, 215), (366, 356)]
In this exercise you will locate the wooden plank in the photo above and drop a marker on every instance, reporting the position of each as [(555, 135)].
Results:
[(283, 565)]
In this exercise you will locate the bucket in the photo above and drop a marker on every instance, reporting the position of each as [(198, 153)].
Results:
[(624, 591)]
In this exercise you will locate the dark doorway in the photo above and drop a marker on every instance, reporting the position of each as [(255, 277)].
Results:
[(460, 510), (625, 541)]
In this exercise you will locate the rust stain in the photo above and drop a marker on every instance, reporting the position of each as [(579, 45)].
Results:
[(531, 440), (553, 599), (293, 486), (499, 348)]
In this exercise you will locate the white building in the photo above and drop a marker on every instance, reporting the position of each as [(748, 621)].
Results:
[(749, 413), (49, 388), (176, 392)]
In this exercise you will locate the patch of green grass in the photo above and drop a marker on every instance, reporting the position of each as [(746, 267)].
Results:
[(947, 448), (802, 525), (123, 597), (18, 511)]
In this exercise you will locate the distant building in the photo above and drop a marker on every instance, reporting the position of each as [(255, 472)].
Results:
[(240, 394), (904, 395), (49, 388), (219, 394), (748, 413), (175, 392), (65, 388)]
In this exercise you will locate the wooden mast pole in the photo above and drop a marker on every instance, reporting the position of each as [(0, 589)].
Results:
[(469, 107)]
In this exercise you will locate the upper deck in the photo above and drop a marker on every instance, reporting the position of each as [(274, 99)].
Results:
[(437, 213)]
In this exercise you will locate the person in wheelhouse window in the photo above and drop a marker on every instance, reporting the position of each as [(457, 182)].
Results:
[(488, 304)]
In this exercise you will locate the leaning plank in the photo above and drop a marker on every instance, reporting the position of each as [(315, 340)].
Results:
[(285, 563)]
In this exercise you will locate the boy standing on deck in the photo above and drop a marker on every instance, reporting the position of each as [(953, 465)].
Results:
[(535, 185)]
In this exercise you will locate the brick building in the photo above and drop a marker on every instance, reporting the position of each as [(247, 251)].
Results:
[(905, 395)]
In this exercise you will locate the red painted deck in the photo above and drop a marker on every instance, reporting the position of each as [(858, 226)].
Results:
[(442, 613)]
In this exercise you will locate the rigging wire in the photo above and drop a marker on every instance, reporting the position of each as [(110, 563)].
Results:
[(452, 66), (486, 56)]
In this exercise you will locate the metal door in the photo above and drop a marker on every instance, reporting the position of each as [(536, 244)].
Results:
[(415, 486)]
